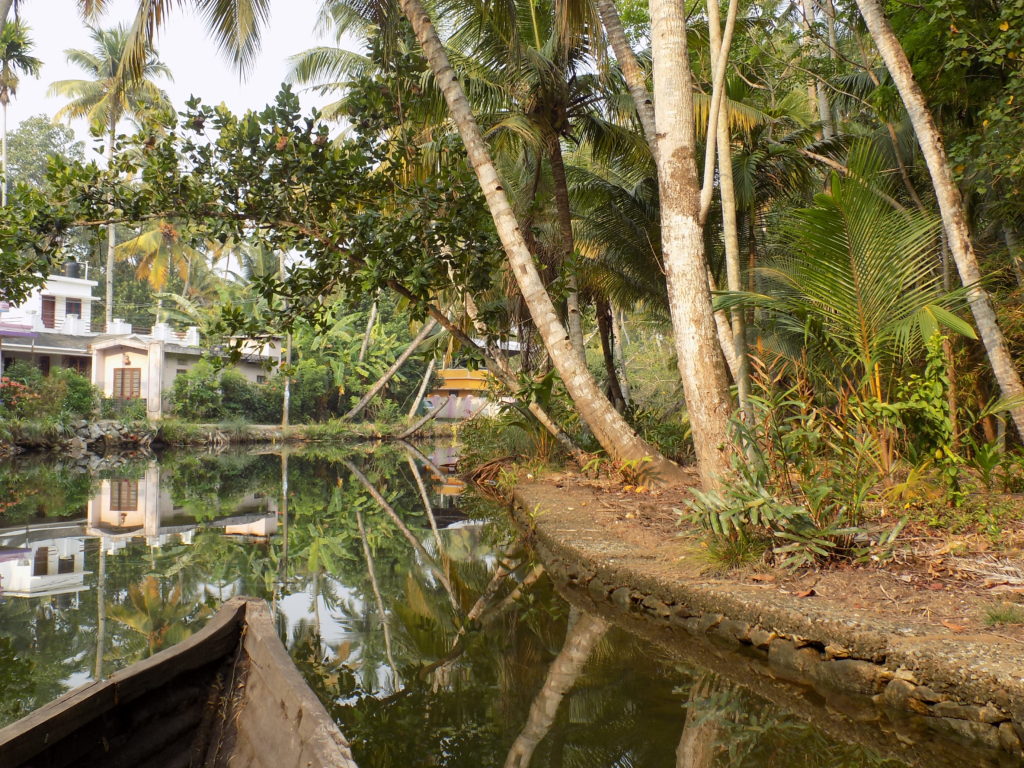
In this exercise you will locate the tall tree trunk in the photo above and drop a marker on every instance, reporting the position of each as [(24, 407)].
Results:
[(730, 230), (3, 155), (581, 637), (111, 239), (700, 359), (618, 331), (608, 426), (574, 317), (634, 76), (390, 372), (636, 82), (385, 624), (950, 202), (815, 91), (427, 376), (370, 322), (604, 329), (1013, 249)]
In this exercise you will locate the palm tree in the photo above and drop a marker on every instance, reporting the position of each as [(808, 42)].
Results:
[(107, 97), (15, 60), (951, 205), (856, 287)]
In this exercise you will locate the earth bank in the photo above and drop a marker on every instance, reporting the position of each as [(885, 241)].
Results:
[(924, 659)]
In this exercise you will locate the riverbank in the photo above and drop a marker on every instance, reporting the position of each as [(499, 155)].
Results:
[(914, 640), (100, 436)]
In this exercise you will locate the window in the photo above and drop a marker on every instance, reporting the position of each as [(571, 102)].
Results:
[(261, 379), (73, 307), (180, 371), (127, 383), (44, 365), (66, 564), (49, 311), (41, 562), (124, 495)]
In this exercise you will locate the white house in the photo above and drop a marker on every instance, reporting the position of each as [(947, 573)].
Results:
[(53, 328)]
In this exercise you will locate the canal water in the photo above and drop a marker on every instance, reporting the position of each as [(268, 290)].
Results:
[(433, 638)]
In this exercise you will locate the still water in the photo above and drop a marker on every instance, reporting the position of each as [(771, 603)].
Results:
[(433, 638)]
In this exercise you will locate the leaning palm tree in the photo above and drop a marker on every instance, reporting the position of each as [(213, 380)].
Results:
[(15, 59), (108, 96)]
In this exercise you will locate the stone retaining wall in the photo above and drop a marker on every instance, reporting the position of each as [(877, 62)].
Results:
[(967, 687)]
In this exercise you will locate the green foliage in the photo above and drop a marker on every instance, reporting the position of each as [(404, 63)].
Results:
[(25, 393), (81, 397), (928, 420), (196, 394), (31, 145)]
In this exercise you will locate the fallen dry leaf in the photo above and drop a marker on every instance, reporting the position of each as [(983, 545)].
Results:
[(806, 593), (936, 586), (767, 577), (989, 583), (954, 627)]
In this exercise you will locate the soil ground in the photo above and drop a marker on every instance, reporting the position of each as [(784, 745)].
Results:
[(931, 577)]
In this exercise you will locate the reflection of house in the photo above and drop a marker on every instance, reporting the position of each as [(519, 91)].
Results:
[(125, 509), (53, 328), (42, 561)]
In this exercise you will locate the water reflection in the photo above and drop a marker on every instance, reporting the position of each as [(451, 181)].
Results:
[(432, 639)]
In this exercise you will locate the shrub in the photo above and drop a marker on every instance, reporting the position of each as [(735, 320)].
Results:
[(80, 396), (240, 396), (197, 395)]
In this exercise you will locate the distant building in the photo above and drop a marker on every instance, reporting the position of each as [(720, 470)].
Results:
[(53, 328)]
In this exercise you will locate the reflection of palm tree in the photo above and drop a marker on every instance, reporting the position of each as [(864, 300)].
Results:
[(700, 734), (377, 598), (162, 621), (584, 633), (417, 545)]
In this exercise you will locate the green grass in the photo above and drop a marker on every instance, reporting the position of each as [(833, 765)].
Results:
[(1006, 613)]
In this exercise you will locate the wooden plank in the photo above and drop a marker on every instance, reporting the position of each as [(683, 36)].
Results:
[(83, 706)]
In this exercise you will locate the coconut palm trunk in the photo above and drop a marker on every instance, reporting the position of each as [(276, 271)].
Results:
[(954, 220), (730, 230), (5, 9), (700, 359), (816, 91), (643, 101), (111, 237), (3, 154), (608, 426), (574, 317)]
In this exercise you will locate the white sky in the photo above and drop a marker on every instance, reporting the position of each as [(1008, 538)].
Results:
[(198, 68)]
